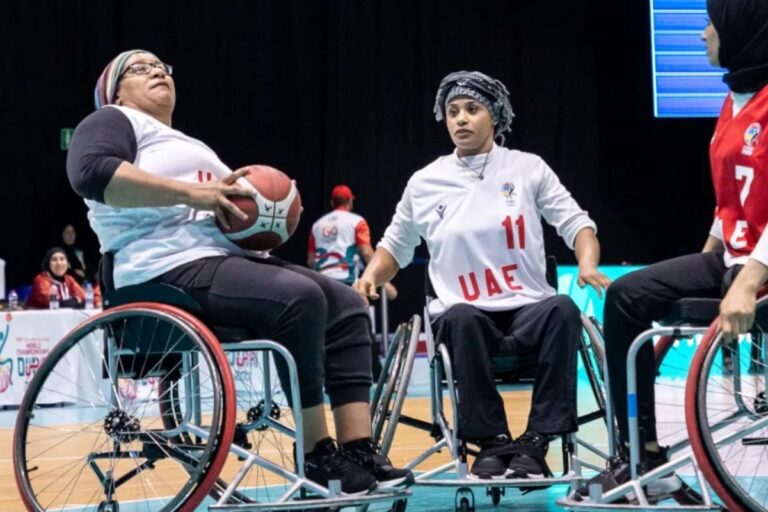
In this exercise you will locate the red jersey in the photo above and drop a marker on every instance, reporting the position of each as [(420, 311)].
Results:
[(738, 156)]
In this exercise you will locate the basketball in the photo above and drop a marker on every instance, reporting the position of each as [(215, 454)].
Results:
[(273, 211)]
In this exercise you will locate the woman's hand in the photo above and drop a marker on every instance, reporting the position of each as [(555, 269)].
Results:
[(737, 312), (589, 275), (366, 289), (212, 196)]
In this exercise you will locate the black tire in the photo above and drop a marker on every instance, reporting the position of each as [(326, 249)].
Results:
[(728, 423), (392, 387)]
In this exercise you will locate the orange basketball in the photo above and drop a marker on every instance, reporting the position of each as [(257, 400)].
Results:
[(273, 211)]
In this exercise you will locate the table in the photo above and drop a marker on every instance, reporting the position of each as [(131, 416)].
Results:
[(26, 337)]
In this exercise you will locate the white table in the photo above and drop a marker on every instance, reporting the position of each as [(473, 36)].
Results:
[(26, 338)]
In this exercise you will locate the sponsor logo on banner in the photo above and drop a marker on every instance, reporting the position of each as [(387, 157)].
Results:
[(6, 364)]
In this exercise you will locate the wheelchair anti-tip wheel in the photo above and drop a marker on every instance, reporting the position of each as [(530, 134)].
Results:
[(91, 434)]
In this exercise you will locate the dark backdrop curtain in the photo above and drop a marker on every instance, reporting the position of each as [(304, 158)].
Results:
[(342, 91)]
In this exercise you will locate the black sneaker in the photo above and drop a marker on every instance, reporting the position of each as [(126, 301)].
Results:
[(326, 463), (618, 473), (528, 457), (365, 453), (493, 459)]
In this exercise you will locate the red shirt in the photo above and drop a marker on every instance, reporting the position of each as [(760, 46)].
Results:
[(739, 159)]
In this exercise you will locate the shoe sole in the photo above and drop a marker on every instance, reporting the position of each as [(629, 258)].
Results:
[(364, 492), (521, 473), (472, 476), (405, 481)]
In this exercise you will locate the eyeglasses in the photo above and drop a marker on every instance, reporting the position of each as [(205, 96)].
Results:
[(145, 68)]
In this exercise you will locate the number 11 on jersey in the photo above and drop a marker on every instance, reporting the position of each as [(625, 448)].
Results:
[(515, 242)]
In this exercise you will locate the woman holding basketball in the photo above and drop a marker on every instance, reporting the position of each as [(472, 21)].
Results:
[(153, 193)]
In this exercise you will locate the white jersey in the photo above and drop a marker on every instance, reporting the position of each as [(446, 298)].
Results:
[(334, 240), (484, 234), (151, 241)]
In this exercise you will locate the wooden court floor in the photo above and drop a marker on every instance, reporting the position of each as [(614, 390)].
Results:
[(409, 443)]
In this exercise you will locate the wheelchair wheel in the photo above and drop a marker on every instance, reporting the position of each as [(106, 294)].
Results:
[(265, 426), (728, 422), (596, 342), (390, 391), (90, 432), (673, 358)]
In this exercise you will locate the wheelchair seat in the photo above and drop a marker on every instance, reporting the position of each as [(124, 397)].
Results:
[(692, 311), (173, 296)]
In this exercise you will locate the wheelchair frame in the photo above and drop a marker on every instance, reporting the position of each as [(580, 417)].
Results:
[(699, 457), (402, 352), (227, 496)]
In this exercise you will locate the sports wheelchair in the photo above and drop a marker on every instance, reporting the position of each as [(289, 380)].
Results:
[(712, 413), (391, 389), (145, 407)]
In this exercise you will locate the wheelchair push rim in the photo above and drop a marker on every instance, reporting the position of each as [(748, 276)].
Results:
[(728, 421), (95, 434)]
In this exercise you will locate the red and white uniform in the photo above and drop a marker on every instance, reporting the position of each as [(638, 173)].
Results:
[(484, 236), (739, 160), (334, 240)]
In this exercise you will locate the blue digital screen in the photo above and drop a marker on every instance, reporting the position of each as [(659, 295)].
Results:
[(684, 83)]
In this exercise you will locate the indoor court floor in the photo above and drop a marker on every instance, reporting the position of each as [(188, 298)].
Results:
[(410, 442)]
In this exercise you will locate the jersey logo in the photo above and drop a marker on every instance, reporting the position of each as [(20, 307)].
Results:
[(440, 210), (508, 192), (329, 232), (750, 139)]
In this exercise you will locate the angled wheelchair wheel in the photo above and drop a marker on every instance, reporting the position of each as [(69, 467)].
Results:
[(91, 430), (728, 422), (266, 426), (389, 394)]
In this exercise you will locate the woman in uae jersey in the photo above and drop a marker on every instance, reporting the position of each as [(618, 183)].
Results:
[(479, 210)]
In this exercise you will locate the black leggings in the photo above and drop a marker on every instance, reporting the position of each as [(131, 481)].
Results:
[(323, 324), (634, 301), (548, 329)]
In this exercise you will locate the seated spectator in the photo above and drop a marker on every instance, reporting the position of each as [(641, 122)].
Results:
[(75, 256), (54, 275)]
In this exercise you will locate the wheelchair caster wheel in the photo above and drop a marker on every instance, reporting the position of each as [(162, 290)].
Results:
[(399, 506), (108, 506), (465, 500), (495, 493), (761, 406)]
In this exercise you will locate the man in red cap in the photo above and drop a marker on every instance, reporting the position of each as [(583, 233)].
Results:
[(339, 240)]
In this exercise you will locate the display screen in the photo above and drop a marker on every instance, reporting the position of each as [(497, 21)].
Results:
[(684, 83)]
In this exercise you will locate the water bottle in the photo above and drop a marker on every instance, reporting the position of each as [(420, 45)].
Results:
[(13, 300), (54, 298), (88, 295)]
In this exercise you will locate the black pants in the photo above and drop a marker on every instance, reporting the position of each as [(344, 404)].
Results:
[(323, 323), (549, 328), (634, 301)]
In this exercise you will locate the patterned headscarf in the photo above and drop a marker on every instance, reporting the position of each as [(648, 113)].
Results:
[(106, 85), (488, 91)]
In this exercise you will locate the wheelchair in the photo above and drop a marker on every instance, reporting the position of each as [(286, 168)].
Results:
[(146, 407), (722, 409), (391, 389)]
